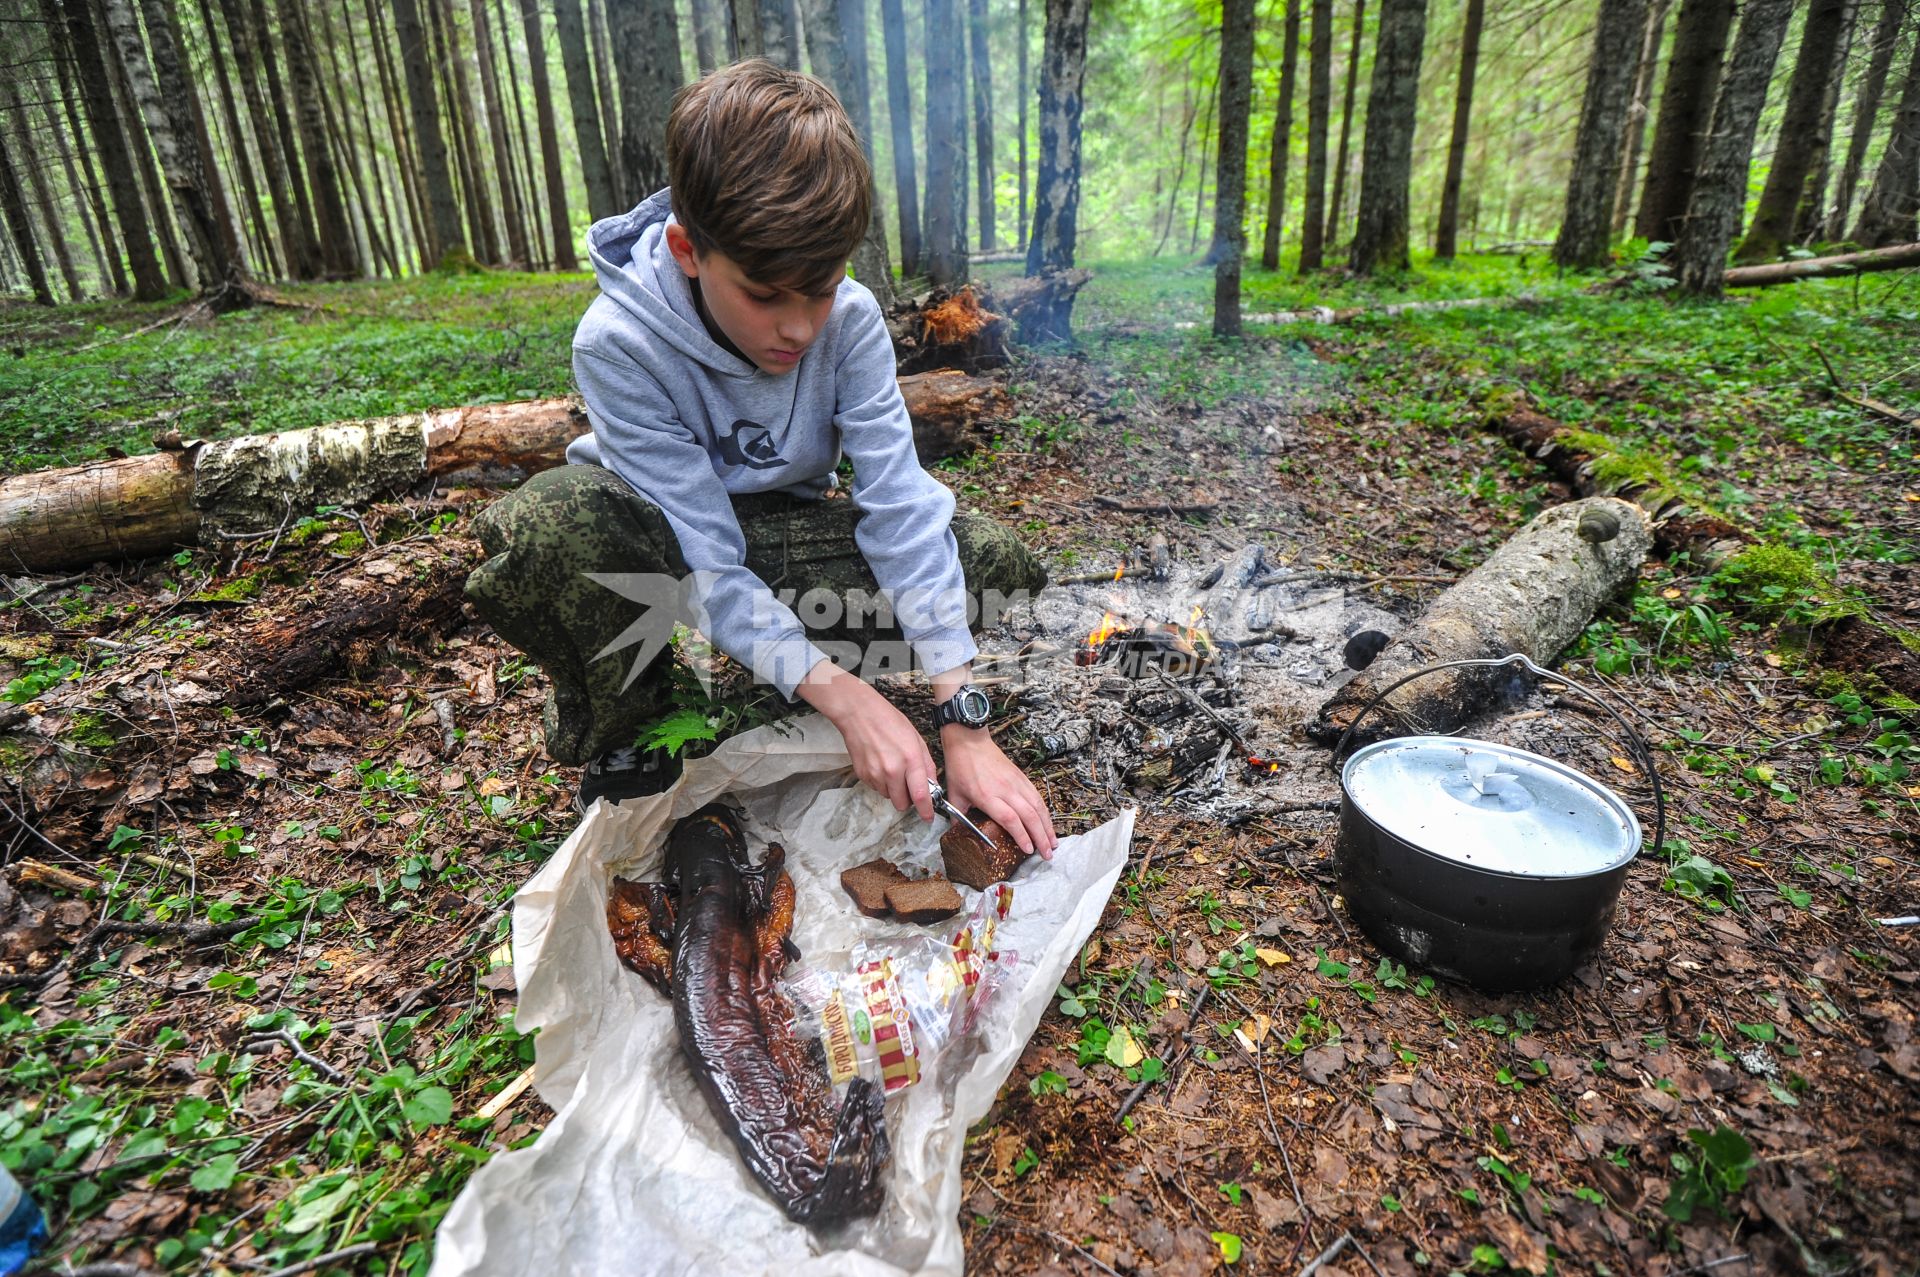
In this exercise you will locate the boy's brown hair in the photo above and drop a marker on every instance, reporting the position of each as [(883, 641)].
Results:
[(766, 168)]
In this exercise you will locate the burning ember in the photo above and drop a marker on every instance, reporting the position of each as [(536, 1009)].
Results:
[(1180, 650)]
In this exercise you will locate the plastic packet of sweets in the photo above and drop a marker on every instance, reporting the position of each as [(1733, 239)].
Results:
[(889, 1009)]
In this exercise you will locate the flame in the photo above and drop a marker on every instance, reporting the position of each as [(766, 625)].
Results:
[(1259, 764), (1120, 571), (1108, 627)]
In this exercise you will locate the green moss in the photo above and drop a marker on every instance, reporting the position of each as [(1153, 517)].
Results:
[(349, 543), (238, 590), (90, 732)]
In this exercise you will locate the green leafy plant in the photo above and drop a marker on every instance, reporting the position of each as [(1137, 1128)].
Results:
[(1716, 1170)]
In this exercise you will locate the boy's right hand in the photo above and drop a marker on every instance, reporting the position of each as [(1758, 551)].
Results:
[(887, 752)]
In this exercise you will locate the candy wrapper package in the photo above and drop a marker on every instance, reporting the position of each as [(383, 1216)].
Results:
[(632, 1175)]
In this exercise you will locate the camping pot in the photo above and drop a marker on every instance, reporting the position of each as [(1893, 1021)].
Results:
[(1482, 862)]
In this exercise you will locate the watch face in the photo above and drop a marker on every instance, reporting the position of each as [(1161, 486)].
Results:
[(972, 706)]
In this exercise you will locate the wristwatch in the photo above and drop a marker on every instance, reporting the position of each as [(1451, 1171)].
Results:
[(969, 707)]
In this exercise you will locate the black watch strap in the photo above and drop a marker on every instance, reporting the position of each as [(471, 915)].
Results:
[(969, 707)]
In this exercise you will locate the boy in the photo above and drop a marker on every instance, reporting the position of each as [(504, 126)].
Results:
[(726, 365)]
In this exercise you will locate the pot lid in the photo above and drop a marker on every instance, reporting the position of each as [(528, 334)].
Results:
[(1492, 806)]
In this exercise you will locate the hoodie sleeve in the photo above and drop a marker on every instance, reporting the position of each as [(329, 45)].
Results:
[(643, 441), (906, 534)]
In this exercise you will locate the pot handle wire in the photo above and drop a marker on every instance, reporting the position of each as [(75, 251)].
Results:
[(1637, 743)]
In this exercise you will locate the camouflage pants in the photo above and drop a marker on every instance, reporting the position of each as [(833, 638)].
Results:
[(544, 537)]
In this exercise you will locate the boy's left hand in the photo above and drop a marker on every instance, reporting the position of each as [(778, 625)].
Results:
[(980, 775)]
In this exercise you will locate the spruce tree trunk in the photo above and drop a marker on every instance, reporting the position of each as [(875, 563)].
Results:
[(226, 226), (340, 123), (1313, 227), (86, 199), (1056, 193), (243, 159), (1230, 186), (982, 67), (709, 37), (1888, 215), (1637, 115), (1587, 225), (1866, 113), (946, 157), (165, 99), (525, 180), (1278, 156), (1686, 112), (743, 18), (449, 240), (110, 143), (906, 191), (1446, 237), (646, 56), (389, 216), (586, 116), (828, 26), (511, 210), (33, 169), (1020, 44), (1337, 202), (779, 42), (1381, 230), (1797, 152), (404, 158), (13, 203), (557, 216), (306, 260), (338, 256), (74, 94), (607, 88), (1808, 217), (1720, 190), (456, 105)]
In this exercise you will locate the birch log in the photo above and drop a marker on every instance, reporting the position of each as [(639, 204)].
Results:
[(1534, 595)]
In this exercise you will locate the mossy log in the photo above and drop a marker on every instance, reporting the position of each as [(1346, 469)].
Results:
[(193, 492), (1589, 464), (1534, 595)]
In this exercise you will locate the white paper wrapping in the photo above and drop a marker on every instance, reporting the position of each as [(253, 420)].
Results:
[(633, 1175)]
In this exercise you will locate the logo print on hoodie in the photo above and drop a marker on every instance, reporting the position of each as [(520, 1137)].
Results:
[(749, 445)]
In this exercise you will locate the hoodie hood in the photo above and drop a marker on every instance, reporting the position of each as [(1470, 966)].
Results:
[(636, 271)]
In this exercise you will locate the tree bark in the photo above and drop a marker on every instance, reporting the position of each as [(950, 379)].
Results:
[(1230, 186), (457, 101), (340, 125), (86, 197), (34, 170), (1637, 115), (586, 116), (779, 42), (946, 158), (1866, 113), (646, 53), (1586, 227), (337, 253), (906, 192), (449, 242), (1279, 155), (982, 68), (511, 210), (1888, 215), (527, 183), (13, 203), (389, 217), (1800, 133), (1811, 213), (562, 222), (243, 160), (404, 161), (1381, 231), (1020, 46), (110, 142), (605, 85), (830, 28), (1720, 191), (1337, 203), (1446, 237), (743, 20), (305, 259), (1686, 110), (1313, 227), (709, 36), (74, 93), (161, 91), (1534, 595), (1056, 205)]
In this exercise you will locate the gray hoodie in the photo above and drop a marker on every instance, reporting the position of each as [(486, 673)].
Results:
[(686, 424)]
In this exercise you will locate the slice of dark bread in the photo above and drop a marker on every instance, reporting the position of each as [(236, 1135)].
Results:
[(972, 862), (868, 884), (923, 900)]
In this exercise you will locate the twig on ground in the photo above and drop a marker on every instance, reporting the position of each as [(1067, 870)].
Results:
[(1273, 1135), (1326, 1256), (1120, 506), (321, 1261), (1034, 1230), (1204, 708), (1171, 1067), (1875, 406), (1090, 578)]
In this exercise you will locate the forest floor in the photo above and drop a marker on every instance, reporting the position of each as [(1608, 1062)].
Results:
[(1729, 1087)]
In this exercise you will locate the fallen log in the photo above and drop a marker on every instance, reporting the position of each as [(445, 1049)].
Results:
[(205, 492), (1892, 257), (1579, 459), (1534, 595), (1042, 305), (950, 329)]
